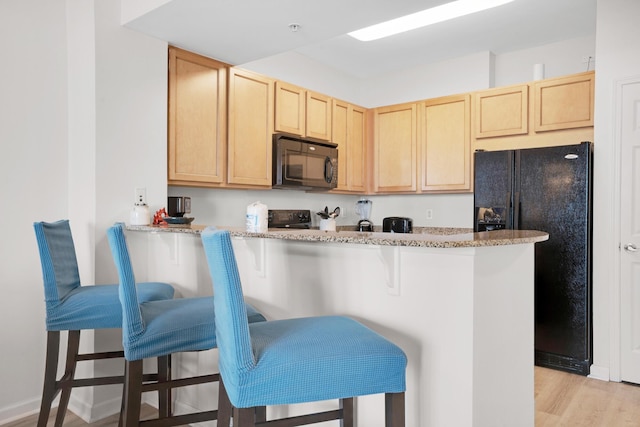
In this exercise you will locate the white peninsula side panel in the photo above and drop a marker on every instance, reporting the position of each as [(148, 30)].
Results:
[(464, 316)]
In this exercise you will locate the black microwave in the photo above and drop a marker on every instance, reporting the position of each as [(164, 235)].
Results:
[(303, 163)]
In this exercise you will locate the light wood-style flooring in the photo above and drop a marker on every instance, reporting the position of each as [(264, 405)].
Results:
[(569, 400), (562, 400)]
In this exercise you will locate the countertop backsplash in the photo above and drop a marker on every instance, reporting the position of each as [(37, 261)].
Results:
[(221, 206)]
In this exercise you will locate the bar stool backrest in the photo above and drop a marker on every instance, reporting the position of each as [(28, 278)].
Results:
[(232, 327), (132, 323), (58, 260)]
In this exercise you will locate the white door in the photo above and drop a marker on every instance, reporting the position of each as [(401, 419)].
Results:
[(630, 233)]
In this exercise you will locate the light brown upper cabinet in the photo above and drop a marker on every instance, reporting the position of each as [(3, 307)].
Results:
[(302, 112), (564, 103), (196, 119), (290, 108), (395, 148), (348, 131), (502, 111), (250, 128), (446, 144), (318, 116)]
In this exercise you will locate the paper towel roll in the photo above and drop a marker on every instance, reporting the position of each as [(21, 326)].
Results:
[(257, 218)]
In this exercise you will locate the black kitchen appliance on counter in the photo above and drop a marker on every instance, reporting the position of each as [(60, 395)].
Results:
[(397, 224), (547, 189), (289, 218)]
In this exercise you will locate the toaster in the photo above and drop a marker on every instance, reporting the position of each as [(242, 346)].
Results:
[(397, 224)]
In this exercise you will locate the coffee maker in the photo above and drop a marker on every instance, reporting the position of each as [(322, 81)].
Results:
[(363, 208), (178, 206)]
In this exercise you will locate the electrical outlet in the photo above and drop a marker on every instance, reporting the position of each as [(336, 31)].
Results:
[(429, 213), (588, 58), (141, 196)]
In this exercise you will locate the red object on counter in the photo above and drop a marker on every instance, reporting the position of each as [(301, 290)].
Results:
[(158, 218)]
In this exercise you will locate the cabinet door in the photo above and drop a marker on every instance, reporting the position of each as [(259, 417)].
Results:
[(290, 109), (250, 128), (500, 112), (564, 103), (357, 149), (395, 148), (446, 145), (318, 116), (197, 118), (348, 131)]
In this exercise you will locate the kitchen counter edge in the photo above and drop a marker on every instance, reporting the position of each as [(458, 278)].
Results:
[(431, 237)]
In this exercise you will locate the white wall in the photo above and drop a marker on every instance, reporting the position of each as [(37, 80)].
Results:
[(559, 59), (469, 73), (228, 207), (618, 58), (83, 122), (34, 182)]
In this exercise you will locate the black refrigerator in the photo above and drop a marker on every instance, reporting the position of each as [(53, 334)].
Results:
[(547, 189)]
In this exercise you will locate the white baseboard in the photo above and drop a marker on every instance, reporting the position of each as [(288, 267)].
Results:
[(599, 373), (19, 410)]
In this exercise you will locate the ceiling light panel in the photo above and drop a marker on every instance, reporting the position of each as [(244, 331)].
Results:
[(423, 18)]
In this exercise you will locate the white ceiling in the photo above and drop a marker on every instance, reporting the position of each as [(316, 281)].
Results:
[(240, 31)]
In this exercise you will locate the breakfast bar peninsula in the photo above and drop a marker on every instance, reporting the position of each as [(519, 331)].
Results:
[(460, 304)]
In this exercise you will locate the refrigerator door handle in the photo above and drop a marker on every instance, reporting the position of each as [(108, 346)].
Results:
[(509, 212), (516, 210)]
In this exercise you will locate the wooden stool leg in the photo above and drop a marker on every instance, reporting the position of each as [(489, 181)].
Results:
[(132, 395), (394, 409), (164, 394), (224, 406), (73, 347), (348, 414), (261, 414), (244, 417), (49, 389)]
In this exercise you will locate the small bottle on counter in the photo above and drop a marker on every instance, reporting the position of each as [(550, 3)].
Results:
[(257, 218)]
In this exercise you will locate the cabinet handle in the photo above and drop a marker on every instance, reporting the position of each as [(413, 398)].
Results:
[(630, 247)]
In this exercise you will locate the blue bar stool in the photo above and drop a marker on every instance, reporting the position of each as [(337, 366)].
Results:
[(159, 329), (72, 308), (291, 361)]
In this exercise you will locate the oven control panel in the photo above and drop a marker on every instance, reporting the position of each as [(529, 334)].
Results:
[(289, 218)]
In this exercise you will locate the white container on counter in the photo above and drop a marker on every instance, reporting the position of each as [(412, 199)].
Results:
[(140, 215), (328, 224), (257, 218)]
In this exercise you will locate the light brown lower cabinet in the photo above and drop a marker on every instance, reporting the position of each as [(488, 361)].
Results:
[(250, 128), (445, 148)]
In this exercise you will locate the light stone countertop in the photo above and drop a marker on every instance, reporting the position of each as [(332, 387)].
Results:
[(421, 237)]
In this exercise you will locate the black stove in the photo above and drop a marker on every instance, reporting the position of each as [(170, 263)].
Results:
[(289, 218)]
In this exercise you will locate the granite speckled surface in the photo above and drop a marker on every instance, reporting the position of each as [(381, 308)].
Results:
[(430, 237)]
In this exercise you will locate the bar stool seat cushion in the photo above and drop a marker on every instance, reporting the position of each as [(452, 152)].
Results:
[(313, 359), (98, 306), (168, 330)]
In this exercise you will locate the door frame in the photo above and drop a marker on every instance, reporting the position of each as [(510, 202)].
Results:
[(615, 292)]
